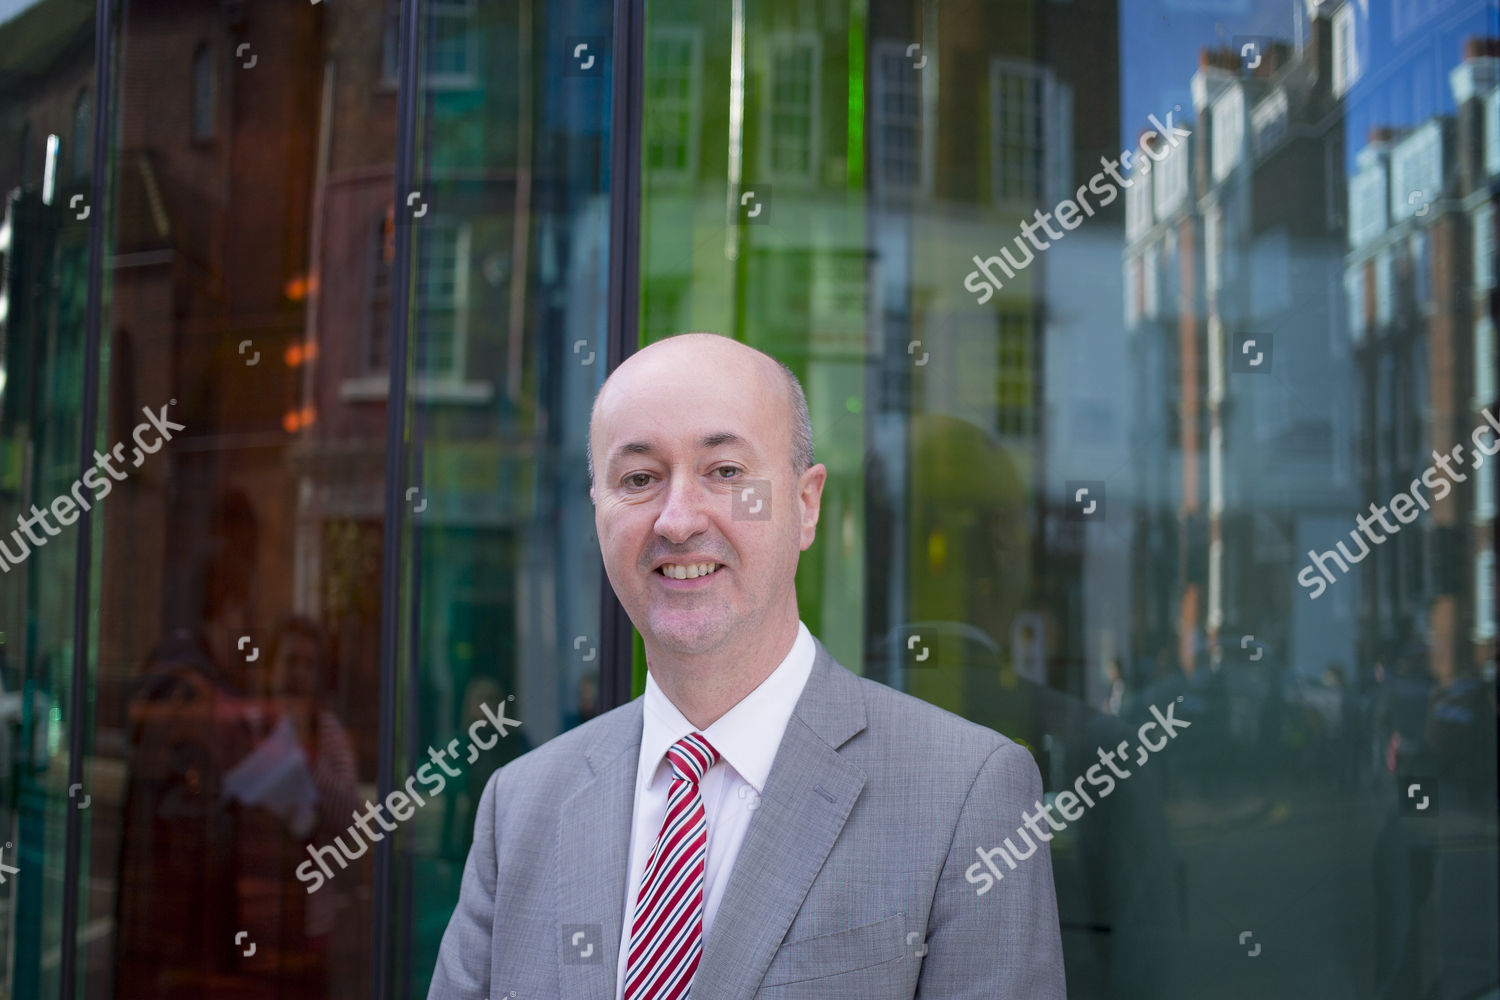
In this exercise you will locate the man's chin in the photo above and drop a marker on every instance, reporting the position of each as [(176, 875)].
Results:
[(689, 634)]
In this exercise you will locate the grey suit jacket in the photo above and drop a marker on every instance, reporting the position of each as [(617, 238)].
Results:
[(850, 881)]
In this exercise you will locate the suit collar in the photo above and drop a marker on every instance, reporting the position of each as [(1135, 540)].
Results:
[(807, 799), (832, 704)]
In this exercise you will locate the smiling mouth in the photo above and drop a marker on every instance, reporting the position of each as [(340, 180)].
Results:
[(689, 572)]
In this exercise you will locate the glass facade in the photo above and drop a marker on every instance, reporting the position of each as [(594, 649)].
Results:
[(1150, 348)]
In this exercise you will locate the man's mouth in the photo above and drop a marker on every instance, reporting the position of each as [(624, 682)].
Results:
[(689, 572)]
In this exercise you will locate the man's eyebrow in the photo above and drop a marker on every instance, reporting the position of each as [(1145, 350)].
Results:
[(714, 440)]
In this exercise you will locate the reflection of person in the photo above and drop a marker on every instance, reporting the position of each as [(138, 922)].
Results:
[(186, 729), (296, 786), (299, 662), (1421, 856), (818, 825)]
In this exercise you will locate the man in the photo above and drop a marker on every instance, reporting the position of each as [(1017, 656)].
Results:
[(762, 822)]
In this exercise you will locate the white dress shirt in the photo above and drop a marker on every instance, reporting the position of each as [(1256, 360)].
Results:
[(747, 738)]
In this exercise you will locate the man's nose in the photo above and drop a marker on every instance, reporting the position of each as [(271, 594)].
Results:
[(684, 510)]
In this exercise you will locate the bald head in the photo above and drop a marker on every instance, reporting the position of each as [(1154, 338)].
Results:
[(646, 376)]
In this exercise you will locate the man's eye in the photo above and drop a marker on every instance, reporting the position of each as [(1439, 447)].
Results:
[(630, 479), (726, 468)]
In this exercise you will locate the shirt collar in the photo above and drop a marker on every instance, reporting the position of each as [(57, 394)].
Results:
[(749, 734)]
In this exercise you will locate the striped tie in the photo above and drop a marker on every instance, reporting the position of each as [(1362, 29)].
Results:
[(666, 938)]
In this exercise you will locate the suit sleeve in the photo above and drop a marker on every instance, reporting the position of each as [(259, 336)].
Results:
[(1006, 944), (463, 962)]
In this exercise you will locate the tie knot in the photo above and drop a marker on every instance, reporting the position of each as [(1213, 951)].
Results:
[(692, 756)]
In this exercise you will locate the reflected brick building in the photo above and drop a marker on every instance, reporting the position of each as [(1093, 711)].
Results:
[(1231, 260), (1418, 276)]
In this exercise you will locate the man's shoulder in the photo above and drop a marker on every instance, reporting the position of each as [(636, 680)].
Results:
[(898, 724), (892, 711)]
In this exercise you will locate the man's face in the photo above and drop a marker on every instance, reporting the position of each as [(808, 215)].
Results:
[(676, 436)]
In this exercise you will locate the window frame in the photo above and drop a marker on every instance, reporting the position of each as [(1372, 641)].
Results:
[(890, 52), (468, 79), (1002, 193), (692, 107), (780, 43)]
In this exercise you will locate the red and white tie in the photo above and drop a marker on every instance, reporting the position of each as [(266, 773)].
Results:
[(666, 939)]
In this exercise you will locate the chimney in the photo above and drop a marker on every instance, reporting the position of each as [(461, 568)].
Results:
[(1481, 48)]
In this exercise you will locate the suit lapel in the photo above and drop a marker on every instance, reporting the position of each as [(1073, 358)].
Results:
[(807, 799), (592, 840)]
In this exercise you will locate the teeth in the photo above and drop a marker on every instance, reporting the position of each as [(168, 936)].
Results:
[(688, 572)]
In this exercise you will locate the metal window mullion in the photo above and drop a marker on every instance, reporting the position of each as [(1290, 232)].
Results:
[(408, 100), (83, 564), (624, 303)]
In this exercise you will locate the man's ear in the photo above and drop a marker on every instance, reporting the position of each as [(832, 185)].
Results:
[(811, 494)]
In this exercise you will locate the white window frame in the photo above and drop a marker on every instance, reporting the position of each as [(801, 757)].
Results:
[(1002, 192), (780, 43), (1416, 168), (1213, 247), (1227, 148), (390, 56), (692, 107), (1368, 204), (1484, 364), (449, 385), (1385, 293), (1484, 247), (1169, 179), (462, 237), (1346, 68), (1484, 495), (1354, 300), (893, 54), (1139, 210), (1484, 594)]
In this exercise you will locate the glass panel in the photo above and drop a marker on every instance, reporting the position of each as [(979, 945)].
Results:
[(1102, 386), (250, 322), (238, 598), (46, 208), (501, 569)]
